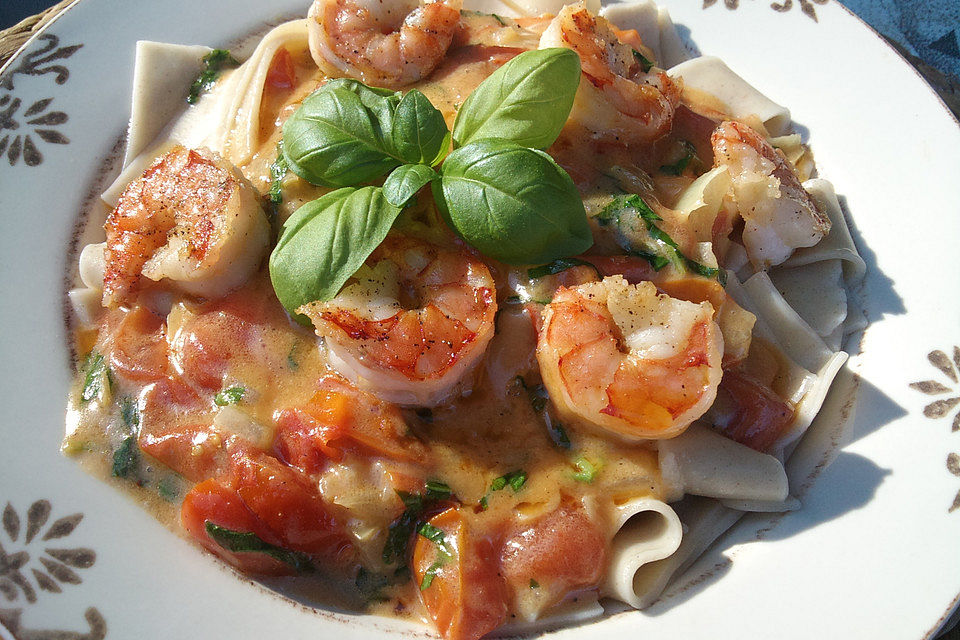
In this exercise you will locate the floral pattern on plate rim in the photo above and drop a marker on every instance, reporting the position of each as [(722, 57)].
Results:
[(943, 407), (806, 6), (27, 545), (39, 119)]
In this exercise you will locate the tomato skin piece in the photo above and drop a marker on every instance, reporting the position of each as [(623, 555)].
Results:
[(136, 342), (754, 415), (562, 551), (281, 74), (289, 505), (196, 452), (341, 418), (211, 501), (466, 598)]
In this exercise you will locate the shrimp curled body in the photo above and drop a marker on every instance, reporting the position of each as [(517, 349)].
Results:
[(779, 215), (414, 322), (618, 100), (385, 44), (623, 359), (191, 219)]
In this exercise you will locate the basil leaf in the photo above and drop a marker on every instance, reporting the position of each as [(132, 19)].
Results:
[(324, 243), (96, 379), (404, 182), (645, 62), (213, 65), (125, 458), (277, 172), (557, 266), (420, 134), (525, 101), (512, 203), (246, 542), (230, 395), (678, 167), (586, 470), (340, 135), (437, 490), (129, 413)]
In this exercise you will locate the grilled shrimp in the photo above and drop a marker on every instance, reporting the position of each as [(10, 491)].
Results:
[(192, 219), (386, 44), (626, 360), (413, 323), (618, 99), (779, 215)]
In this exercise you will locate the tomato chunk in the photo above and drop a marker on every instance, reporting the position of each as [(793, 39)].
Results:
[(196, 452), (281, 74), (562, 551), (137, 344), (465, 596), (211, 501), (342, 418), (292, 509), (750, 412)]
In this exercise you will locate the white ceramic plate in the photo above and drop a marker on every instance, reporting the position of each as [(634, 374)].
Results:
[(874, 553)]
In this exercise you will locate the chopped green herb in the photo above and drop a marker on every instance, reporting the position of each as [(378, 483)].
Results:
[(370, 584), (125, 458), (402, 529), (278, 170), (97, 377), (246, 542), (534, 584), (678, 167), (657, 262), (557, 266), (437, 490), (499, 19), (291, 360), (129, 413), (645, 63), (230, 395), (168, 489), (483, 503), (214, 64), (516, 480), (586, 470), (444, 554)]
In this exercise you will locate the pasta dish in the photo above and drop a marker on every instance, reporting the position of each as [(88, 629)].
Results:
[(475, 313)]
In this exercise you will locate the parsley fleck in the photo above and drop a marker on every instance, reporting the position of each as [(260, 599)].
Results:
[(214, 64), (230, 395), (586, 470), (645, 63), (278, 170), (97, 377), (125, 458), (678, 167), (246, 542), (557, 266)]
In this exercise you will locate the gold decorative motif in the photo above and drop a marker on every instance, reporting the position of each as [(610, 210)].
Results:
[(943, 407), (806, 6)]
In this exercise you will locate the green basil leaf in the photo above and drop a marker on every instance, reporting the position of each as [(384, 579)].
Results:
[(97, 377), (230, 395), (586, 470), (341, 135), (277, 172), (404, 182), (325, 241), (557, 266), (125, 458), (645, 63), (246, 542), (525, 101), (512, 203), (213, 65), (420, 134)]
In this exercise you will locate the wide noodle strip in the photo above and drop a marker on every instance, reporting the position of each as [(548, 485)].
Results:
[(549, 306)]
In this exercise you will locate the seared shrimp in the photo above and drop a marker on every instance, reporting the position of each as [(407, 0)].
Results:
[(624, 359), (618, 100), (386, 44), (413, 323), (779, 215), (191, 218)]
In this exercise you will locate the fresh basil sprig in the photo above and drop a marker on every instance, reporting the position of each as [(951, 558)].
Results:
[(324, 243), (526, 101), (405, 181), (246, 542), (347, 133), (512, 203)]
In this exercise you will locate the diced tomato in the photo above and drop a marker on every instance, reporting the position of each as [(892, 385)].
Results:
[(137, 344), (340, 417), (562, 551), (287, 503), (752, 414), (466, 598), (196, 452), (167, 400), (211, 501), (281, 74)]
